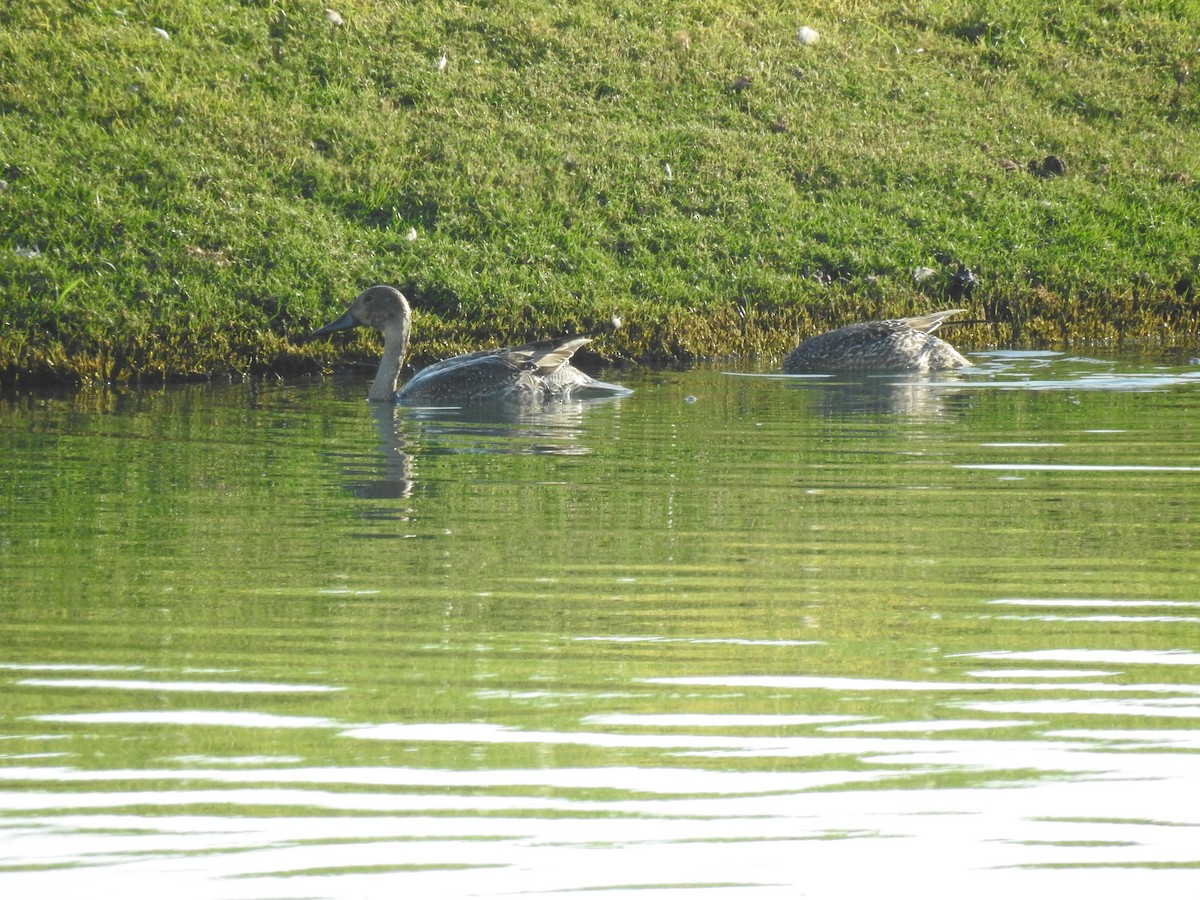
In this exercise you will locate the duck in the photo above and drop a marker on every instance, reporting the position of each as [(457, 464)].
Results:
[(890, 345), (962, 283), (539, 370)]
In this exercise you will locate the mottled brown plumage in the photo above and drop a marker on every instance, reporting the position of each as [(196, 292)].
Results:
[(891, 345)]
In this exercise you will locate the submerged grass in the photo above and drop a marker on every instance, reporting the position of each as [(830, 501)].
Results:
[(188, 186)]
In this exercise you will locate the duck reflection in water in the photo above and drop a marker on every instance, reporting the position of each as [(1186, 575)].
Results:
[(550, 429), (541, 370), (529, 427), (860, 394), (391, 473)]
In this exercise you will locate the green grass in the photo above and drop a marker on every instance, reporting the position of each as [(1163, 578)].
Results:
[(200, 200)]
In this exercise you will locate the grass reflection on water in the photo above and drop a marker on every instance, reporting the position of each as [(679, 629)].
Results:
[(267, 641)]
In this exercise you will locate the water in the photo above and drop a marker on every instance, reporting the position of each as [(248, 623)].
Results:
[(737, 635)]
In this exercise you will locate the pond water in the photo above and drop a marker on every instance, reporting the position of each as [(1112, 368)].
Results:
[(736, 635)]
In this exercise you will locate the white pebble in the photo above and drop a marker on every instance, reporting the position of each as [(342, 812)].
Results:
[(808, 36)]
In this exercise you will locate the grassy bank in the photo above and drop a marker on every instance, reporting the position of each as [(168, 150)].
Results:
[(191, 184)]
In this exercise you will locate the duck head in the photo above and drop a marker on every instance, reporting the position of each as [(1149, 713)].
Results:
[(383, 308), (380, 307)]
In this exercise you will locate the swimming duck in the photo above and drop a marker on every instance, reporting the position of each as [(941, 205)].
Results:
[(532, 371), (892, 345)]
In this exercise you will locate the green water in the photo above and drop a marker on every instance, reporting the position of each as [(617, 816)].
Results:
[(735, 635)]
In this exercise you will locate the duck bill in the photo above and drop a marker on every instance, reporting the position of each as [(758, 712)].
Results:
[(346, 321)]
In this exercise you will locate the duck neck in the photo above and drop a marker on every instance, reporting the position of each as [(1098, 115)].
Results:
[(395, 345)]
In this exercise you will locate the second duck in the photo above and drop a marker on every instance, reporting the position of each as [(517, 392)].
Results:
[(890, 345)]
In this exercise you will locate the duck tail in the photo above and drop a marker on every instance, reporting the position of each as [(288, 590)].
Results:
[(931, 322)]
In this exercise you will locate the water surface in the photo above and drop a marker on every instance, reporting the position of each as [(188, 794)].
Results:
[(737, 635)]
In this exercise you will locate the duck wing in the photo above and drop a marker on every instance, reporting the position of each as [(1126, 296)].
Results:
[(545, 357)]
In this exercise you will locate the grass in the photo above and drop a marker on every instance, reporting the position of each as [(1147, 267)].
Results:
[(190, 200)]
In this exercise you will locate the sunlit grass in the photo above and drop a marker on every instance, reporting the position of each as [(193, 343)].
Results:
[(189, 186)]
